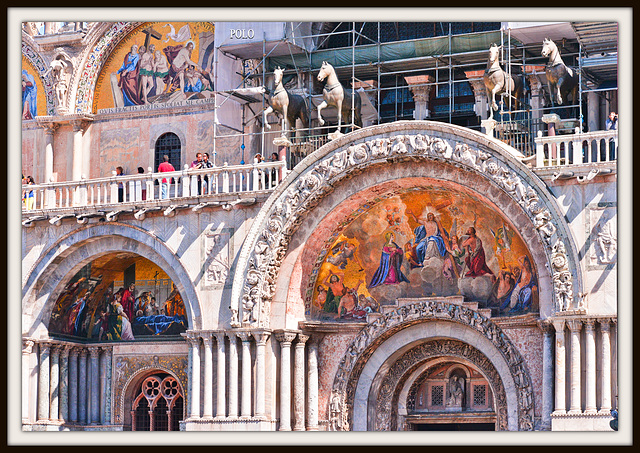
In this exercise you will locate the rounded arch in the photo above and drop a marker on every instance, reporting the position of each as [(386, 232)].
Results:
[(59, 263), (460, 331), (430, 142), (33, 56), (161, 131)]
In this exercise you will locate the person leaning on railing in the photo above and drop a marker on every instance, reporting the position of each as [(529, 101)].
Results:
[(29, 197), (612, 125), (165, 166), (206, 163)]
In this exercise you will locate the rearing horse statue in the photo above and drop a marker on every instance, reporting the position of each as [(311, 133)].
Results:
[(288, 105), (498, 81), (338, 96), (561, 79)]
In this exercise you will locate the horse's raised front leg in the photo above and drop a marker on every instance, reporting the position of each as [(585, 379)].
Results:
[(264, 116), (558, 86), (322, 105), (285, 119), (494, 105), (339, 107)]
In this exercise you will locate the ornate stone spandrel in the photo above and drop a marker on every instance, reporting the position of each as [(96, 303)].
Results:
[(217, 255)]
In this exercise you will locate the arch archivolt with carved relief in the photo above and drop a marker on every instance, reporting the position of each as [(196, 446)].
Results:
[(405, 149)]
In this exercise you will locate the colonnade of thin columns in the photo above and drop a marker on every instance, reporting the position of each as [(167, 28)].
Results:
[(241, 377), (572, 368), (73, 382)]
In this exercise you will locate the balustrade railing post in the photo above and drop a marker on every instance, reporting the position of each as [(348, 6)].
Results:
[(540, 151), (577, 147), (113, 196), (185, 182), (225, 179)]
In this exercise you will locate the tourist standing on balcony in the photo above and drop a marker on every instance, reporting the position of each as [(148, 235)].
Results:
[(274, 159), (29, 197), (164, 185), (197, 164), (206, 163), (612, 125), (120, 172), (140, 187)]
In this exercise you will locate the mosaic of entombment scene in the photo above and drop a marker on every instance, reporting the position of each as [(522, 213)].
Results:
[(422, 242), (119, 297), (159, 62)]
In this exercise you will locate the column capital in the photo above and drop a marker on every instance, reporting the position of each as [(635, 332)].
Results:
[(558, 324), (94, 351), (82, 352), (80, 124), (302, 339), (575, 325), (261, 336), (589, 324), (65, 349), (546, 326), (27, 345), (49, 126), (605, 324), (106, 349), (56, 348), (207, 338), (285, 337), (244, 335), (45, 345), (219, 337)]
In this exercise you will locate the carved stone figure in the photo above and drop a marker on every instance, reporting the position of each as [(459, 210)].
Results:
[(456, 392), (607, 242), (60, 73), (334, 413)]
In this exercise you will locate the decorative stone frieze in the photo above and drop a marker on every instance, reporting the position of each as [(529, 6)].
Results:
[(371, 336), (266, 245)]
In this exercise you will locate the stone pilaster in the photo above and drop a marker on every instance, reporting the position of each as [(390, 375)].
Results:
[(605, 331), (298, 383), (27, 350), (245, 401), (261, 338), (54, 383), (94, 371), (590, 365), (312, 383), (207, 340), (575, 406), (233, 375), (561, 405), (73, 384), (43, 381), (220, 377), (285, 339)]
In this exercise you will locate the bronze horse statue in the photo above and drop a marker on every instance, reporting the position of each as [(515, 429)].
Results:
[(561, 79), (498, 81), (288, 105), (336, 95)]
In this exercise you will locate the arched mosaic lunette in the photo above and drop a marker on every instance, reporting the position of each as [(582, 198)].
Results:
[(42, 67), (376, 332), (312, 179)]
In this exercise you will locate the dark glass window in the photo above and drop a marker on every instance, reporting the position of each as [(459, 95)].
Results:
[(170, 145)]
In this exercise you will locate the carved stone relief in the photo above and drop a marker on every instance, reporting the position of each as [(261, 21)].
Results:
[(372, 335), (265, 252), (218, 253)]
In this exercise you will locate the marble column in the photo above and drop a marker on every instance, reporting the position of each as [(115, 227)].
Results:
[(421, 91), (64, 384), (27, 349), (94, 369), (590, 365), (547, 374), (76, 164), (194, 343), (54, 383), (43, 381), (285, 339), (298, 383), (575, 406), (49, 130), (312, 384), (560, 386), (207, 340), (220, 377), (105, 386), (481, 105), (605, 331), (245, 396), (82, 386), (261, 338), (233, 375), (73, 384), (593, 111)]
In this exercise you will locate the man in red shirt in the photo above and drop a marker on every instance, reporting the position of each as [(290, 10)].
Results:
[(164, 185)]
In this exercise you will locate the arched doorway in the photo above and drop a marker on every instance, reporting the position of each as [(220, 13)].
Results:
[(168, 144), (158, 404)]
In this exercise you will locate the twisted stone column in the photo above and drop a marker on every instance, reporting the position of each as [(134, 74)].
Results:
[(208, 375), (54, 383), (561, 405), (220, 378), (285, 339), (73, 384), (245, 401), (94, 353), (27, 349), (43, 381), (233, 376), (605, 331), (261, 338), (298, 383), (575, 407), (194, 344), (590, 365), (312, 383)]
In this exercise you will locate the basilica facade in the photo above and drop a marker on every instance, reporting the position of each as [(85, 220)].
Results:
[(425, 263)]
